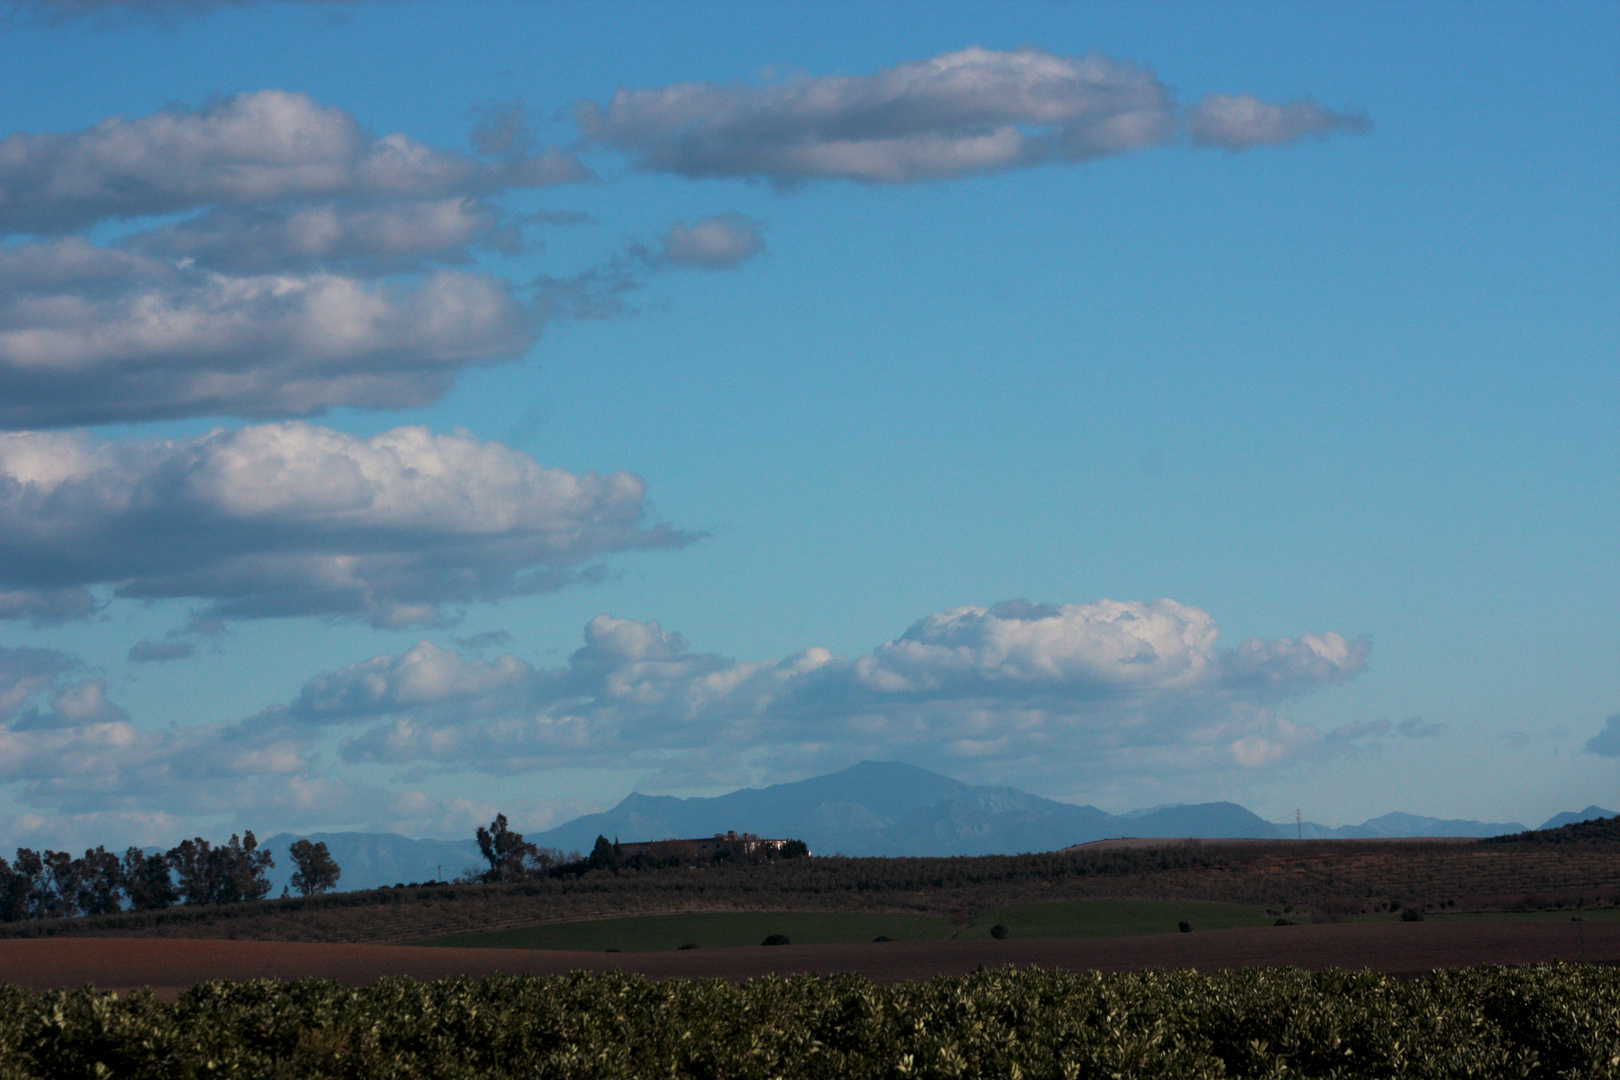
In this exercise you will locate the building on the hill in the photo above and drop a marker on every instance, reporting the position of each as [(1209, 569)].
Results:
[(733, 845)]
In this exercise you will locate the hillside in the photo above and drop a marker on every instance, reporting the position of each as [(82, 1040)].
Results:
[(1600, 831), (1325, 877)]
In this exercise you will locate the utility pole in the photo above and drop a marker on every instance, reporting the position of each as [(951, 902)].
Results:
[(1299, 825)]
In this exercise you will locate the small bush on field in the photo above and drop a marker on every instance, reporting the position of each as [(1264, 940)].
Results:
[(1541, 1022), (777, 939), (999, 931)]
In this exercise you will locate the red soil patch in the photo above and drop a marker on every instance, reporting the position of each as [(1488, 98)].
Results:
[(168, 966)]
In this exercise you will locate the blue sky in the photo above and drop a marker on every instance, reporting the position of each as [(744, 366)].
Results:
[(416, 409)]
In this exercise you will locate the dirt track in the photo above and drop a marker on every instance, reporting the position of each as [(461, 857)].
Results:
[(168, 966)]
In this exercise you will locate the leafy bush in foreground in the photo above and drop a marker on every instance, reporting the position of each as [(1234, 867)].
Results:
[(1545, 1021)]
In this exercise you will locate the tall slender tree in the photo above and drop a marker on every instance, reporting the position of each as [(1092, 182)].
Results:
[(316, 870), (100, 882)]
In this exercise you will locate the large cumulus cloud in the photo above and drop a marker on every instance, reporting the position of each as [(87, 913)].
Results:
[(1106, 686), (962, 113), (293, 519)]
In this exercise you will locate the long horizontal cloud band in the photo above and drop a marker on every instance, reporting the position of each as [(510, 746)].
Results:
[(1101, 689), (294, 519), (971, 111)]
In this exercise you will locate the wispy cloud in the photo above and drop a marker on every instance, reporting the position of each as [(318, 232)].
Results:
[(963, 113), (160, 11), (720, 242), (1606, 743), (1237, 122)]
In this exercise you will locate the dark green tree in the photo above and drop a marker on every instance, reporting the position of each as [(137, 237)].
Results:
[(245, 869), (196, 870), (15, 885), (147, 881), (100, 882), (316, 870), (604, 854), (59, 886), (504, 850), (221, 875)]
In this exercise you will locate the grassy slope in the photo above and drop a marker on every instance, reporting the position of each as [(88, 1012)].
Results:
[(1336, 877), (1115, 918)]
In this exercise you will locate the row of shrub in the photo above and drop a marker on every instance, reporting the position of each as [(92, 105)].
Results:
[(1539, 1022), (55, 884)]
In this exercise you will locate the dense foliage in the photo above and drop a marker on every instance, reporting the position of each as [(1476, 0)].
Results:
[(55, 885), (1541, 1022)]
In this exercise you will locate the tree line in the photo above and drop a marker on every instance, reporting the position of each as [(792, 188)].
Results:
[(56, 885), (511, 858)]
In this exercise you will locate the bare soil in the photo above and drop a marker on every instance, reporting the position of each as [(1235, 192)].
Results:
[(168, 966)]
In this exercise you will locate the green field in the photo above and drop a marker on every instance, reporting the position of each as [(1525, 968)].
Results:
[(1115, 918), (1605, 914), (658, 933)]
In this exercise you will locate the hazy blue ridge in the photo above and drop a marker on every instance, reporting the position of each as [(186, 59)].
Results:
[(1570, 817), (874, 808)]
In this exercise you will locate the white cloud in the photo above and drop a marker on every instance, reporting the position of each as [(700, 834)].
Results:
[(963, 113), (25, 672), (248, 149), (1236, 122), (972, 111), (1103, 687), (713, 243), (89, 335), (372, 239), (292, 519)]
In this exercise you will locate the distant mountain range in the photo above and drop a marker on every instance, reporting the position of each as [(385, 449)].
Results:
[(874, 808), (888, 808)]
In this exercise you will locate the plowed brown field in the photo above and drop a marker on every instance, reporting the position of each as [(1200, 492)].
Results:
[(169, 966)]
